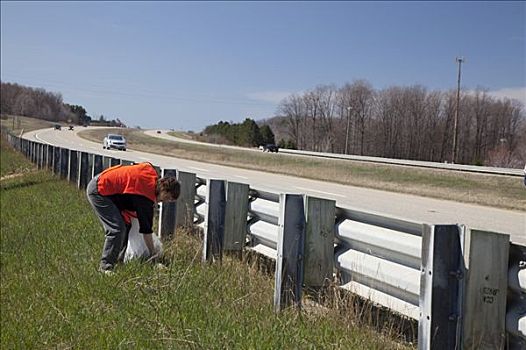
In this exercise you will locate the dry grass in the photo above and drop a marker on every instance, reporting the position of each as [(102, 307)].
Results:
[(495, 191), (17, 123)]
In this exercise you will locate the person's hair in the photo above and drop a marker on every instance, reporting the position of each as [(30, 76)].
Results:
[(169, 184)]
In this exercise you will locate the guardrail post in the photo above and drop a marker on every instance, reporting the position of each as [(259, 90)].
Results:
[(64, 163), (185, 203), (41, 150), (214, 221), (441, 282), (37, 154), (49, 157), (486, 259), (73, 166), (114, 161), (32, 151), (106, 162), (24, 147), (516, 305), (319, 241), (290, 245), (84, 170), (56, 160), (97, 165), (236, 212), (167, 212)]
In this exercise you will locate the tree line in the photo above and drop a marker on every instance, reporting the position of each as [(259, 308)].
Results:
[(247, 133), (406, 122), (38, 103)]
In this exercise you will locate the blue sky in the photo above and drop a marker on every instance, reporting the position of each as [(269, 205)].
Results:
[(185, 65)]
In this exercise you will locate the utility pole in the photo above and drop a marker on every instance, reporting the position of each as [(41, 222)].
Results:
[(455, 124), (347, 131)]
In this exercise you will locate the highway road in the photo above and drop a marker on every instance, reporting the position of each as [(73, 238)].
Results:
[(396, 205)]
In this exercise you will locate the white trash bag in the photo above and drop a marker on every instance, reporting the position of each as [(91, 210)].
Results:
[(136, 247)]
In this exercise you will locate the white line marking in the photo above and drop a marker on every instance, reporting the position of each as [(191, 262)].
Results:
[(329, 193), (38, 138)]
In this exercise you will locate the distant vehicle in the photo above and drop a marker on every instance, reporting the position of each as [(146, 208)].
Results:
[(57, 126), (158, 131), (270, 147), (114, 141), (70, 127)]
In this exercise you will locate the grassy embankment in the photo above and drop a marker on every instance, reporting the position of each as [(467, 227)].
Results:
[(489, 190), (53, 297), (18, 124)]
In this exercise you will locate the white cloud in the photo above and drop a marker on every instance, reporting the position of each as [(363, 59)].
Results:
[(518, 93), (269, 96)]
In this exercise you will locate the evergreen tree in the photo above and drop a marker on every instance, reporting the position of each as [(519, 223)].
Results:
[(267, 136)]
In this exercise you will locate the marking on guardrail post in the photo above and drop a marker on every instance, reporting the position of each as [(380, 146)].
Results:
[(84, 170), (167, 212), (290, 245), (73, 166), (441, 282), (319, 241), (185, 203), (214, 221), (486, 259), (236, 216)]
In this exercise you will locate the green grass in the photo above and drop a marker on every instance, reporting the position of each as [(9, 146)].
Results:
[(12, 162), (53, 297), (496, 191)]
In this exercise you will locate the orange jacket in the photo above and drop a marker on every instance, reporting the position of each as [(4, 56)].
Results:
[(138, 179)]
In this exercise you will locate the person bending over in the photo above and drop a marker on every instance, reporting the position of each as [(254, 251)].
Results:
[(123, 188)]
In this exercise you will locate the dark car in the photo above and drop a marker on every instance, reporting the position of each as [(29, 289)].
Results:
[(270, 147), (57, 126)]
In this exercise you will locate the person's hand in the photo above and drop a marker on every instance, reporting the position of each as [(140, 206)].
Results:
[(155, 256)]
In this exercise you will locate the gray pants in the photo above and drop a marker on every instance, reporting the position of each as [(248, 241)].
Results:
[(114, 227)]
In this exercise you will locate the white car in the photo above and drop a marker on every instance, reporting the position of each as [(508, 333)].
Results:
[(114, 141)]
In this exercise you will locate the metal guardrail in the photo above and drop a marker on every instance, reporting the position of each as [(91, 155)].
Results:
[(412, 163), (380, 264), (262, 225), (404, 266)]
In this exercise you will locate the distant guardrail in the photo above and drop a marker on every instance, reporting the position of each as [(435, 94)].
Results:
[(377, 160), (466, 288), (412, 163)]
